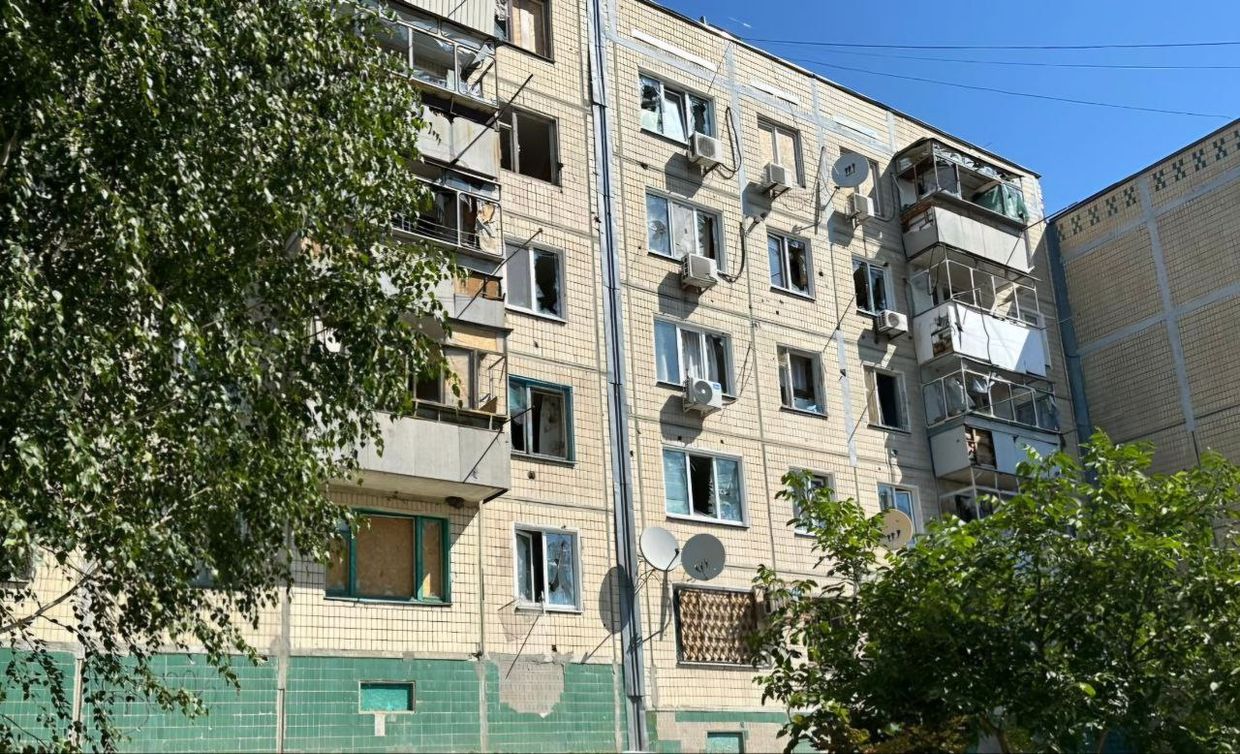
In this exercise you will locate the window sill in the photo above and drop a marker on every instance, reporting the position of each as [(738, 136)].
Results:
[(680, 260), (568, 462), (537, 315), (682, 143), (385, 601), (513, 46), (536, 608), (727, 397), (885, 428), (803, 412), (793, 293), (705, 520)]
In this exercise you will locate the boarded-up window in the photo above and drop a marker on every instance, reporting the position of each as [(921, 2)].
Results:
[(712, 625), (530, 27), (402, 558)]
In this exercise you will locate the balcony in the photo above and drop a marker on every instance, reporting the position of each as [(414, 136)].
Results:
[(951, 200), (478, 15), (955, 329), (971, 392), (450, 62), (978, 448), (476, 298), (458, 141), (464, 214)]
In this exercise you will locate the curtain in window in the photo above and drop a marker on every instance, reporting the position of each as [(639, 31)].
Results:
[(728, 473), (666, 353), (675, 484), (691, 346), (561, 570), (804, 394)]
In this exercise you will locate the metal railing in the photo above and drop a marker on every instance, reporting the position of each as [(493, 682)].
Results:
[(978, 393), (952, 280)]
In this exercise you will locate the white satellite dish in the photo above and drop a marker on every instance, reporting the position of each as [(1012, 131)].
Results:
[(850, 170), (660, 549), (897, 528), (703, 557)]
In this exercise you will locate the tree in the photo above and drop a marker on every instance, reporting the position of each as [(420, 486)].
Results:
[(195, 201), (1098, 607)]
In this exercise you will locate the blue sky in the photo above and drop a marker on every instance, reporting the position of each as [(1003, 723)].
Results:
[(1078, 149)]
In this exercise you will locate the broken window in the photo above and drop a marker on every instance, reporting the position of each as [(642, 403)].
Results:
[(433, 59), (470, 379), (702, 486), (780, 146), (713, 625), (546, 568), (400, 558), (872, 185), (980, 444), (540, 417), (816, 482), (800, 381), (528, 145), (871, 282), (672, 112), (790, 266), (530, 26), (900, 498), (534, 280), (885, 391), (457, 218), (675, 229), (681, 353)]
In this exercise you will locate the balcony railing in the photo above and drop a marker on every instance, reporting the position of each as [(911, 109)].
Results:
[(452, 64), (930, 168), (981, 394), (463, 215), (953, 280)]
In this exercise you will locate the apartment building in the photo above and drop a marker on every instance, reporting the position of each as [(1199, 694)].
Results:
[(1149, 274), (670, 302)]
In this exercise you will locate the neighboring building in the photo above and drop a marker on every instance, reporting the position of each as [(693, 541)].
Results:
[(1151, 270), (671, 304)]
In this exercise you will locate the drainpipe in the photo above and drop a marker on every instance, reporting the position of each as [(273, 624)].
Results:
[(617, 406), (1067, 334)]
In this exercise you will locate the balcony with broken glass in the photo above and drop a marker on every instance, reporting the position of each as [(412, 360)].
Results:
[(954, 200), (454, 62), (463, 214), (972, 390)]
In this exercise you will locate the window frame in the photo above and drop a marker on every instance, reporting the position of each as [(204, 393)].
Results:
[(786, 353), (827, 480), (514, 249), (686, 96), (871, 266), (417, 521), (785, 256), (773, 129), (882, 202), (545, 606), (873, 404), (687, 453), (680, 354), (508, 131), (566, 395), (546, 34), (915, 513), (697, 209), (413, 696)]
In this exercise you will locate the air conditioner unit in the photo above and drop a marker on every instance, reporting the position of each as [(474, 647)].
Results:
[(860, 207), (697, 271), (705, 151), (703, 396), (892, 322), (776, 178)]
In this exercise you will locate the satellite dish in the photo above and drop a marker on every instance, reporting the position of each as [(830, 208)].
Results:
[(660, 549), (703, 557), (850, 170), (897, 528)]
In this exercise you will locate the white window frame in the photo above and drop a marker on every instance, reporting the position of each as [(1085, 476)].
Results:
[(770, 129), (686, 453), (680, 353), (546, 607), (696, 209), (877, 195), (686, 97), (786, 353), (871, 266), (913, 503), (823, 479), (785, 259), (507, 125), (511, 269), (874, 406)]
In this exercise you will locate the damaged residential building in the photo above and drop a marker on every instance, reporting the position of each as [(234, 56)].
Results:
[(672, 299)]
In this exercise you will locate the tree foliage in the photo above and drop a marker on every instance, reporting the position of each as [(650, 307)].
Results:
[(1099, 607), (193, 194)]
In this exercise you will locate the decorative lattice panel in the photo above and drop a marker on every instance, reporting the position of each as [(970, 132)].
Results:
[(713, 625)]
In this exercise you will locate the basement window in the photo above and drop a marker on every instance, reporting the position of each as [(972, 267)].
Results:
[(529, 26), (546, 569), (703, 486), (535, 279), (528, 145), (673, 112), (885, 398), (871, 282), (385, 696), (394, 558), (540, 418), (790, 264)]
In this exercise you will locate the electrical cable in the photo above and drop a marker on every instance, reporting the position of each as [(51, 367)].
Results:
[(1117, 46), (1032, 63), (1031, 95)]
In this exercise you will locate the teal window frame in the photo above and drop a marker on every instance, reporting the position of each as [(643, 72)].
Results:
[(570, 445), (409, 687), (419, 524)]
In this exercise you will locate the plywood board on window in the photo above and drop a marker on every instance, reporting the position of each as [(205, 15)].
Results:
[(385, 557)]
